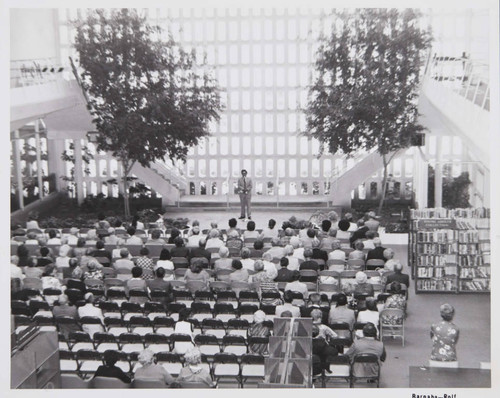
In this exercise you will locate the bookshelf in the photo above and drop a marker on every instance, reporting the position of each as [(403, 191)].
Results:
[(450, 250)]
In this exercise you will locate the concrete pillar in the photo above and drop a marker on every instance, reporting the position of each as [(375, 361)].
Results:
[(55, 148), (420, 179), (78, 170), (438, 175), (38, 161), (18, 170)]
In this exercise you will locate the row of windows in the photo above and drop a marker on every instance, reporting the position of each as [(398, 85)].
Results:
[(287, 168), (278, 99), (209, 12), (290, 77), (261, 122), (256, 145), (261, 188)]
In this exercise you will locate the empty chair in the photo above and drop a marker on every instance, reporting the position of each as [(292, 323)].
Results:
[(170, 361), (130, 343), (340, 369), (252, 367), (181, 343), (115, 326), (157, 342), (247, 310), (88, 360), (248, 297), (141, 325), (373, 264), (104, 342), (234, 344), (227, 297), (67, 361), (153, 309), (201, 311), (91, 324), (207, 344), (365, 367), (392, 324), (224, 311), (237, 327), (129, 310), (226, 366), (110, 309), (66, 325), (19, 307), (164, 325), (214, 327)]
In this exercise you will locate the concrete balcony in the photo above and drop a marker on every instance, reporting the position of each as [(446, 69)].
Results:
[(33, 102)]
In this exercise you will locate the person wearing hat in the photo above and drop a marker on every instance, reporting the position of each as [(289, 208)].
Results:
[(368, 344), (245, 192), (444, 335), (372, 223)]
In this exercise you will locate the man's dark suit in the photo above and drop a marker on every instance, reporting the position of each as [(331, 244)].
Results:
[(376, 254), (358, 234), (398, 277)]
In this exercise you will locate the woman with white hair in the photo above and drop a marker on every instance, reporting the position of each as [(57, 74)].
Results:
[(63, 259), (259, 329), (293, 262), (192, 372), (224, 262), (150, 371), (214, 240)]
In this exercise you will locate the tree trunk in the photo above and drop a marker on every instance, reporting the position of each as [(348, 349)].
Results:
[(384, 185), (126, 203)]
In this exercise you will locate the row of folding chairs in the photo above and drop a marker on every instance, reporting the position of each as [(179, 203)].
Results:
[(343, 370), (74, 381), (222, 366)]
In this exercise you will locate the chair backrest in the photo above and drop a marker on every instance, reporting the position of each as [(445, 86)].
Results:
[(73, 381), (138, 383), (107, 382), (391, 312)]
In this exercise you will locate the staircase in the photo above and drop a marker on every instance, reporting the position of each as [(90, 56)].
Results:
[(165, 179)]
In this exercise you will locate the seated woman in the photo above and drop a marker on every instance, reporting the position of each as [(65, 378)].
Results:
[(357, 253), (250, 232), (444, 336), (258, 329), (192, 372), (371, 314), (136, 282), (342, 313), (63, 259), (362, 288), (109, 369), (165, 260), (214, 240), (150, 371), (197, 273), (146, 264), (239, 274), (396, 300), (80, 250), (93, 271)]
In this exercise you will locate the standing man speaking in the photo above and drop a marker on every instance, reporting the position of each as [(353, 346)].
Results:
[(245, 191)]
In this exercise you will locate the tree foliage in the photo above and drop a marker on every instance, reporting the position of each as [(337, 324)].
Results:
[(148, 96), (365, 92), (455, 189)]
